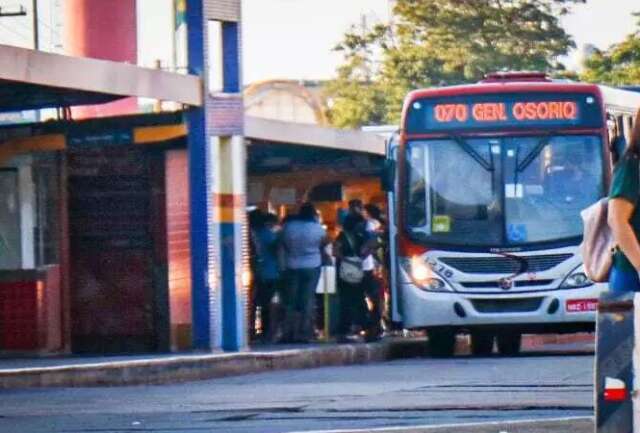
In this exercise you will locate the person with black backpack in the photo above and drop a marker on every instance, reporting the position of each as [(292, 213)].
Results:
[(350, 250), (624, 217)]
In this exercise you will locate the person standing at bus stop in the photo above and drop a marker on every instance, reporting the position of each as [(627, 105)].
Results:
[(372, 269), (303, 239), (624, 217), (267, 273)]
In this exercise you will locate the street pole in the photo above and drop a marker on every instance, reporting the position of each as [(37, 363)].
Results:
[(35, 24)]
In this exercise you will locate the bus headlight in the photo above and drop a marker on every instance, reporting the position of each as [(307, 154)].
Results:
[(423, 276), (576, 279)]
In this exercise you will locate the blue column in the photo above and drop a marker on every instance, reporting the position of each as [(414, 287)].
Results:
[(217, 184), (198, 184)]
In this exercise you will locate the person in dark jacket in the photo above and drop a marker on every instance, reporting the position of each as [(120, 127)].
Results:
[(351, 243), (267, 276)]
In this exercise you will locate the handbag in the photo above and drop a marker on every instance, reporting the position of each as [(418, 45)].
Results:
[(597, 245), (351, 270)]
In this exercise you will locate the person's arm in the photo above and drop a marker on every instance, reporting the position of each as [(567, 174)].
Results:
[(620, 212), (281, 251), (337, 247), (369, 245)]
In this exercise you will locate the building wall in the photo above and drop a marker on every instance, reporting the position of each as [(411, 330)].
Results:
[(282, 105), (226, 10), (286, 100)]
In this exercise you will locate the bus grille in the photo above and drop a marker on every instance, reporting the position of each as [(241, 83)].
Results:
[(496, 284), (504, 265), (525, 305)]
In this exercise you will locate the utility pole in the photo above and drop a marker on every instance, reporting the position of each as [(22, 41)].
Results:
[(36, 45)]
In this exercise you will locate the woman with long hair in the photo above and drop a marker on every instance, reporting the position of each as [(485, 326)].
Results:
[(624, 217)]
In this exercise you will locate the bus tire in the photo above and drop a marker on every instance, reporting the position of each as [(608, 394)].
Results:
[(442, 342), (481, 343), (509, 343)]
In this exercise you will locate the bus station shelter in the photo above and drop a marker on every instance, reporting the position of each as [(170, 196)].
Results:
[(101, 220), (83, 260)]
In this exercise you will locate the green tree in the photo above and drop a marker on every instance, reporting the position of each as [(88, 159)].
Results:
[(618, 65), (436, 42)]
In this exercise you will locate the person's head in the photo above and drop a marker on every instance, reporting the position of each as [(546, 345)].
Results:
[(352, 222), (373, 211), (270, 220), (256, 218), (634, 145), (308, 212), (355, 206)]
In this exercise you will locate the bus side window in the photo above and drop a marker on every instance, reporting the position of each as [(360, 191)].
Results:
[(617, 140), (628, 121)]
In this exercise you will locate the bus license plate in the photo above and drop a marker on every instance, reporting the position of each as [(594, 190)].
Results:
[(581, 305)]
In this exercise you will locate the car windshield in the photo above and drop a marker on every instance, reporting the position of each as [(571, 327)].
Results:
[(502, 191)]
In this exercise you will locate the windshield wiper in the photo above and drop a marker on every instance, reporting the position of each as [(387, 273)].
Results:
[(526, 162), (487, 165)]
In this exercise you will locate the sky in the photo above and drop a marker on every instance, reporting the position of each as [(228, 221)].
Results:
[(270, 50), (293, 38)]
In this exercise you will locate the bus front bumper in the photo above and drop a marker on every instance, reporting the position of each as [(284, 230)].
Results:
[(537, 311)]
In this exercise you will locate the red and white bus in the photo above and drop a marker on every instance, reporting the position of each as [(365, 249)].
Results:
[(485, 213)]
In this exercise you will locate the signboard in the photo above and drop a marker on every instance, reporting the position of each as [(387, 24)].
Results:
[(475, 112), (82, 139)]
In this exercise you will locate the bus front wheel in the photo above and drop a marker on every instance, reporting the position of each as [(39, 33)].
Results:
[(442, 342), (509, 343)]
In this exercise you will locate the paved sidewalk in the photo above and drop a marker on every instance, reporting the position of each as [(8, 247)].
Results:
[(73, 371), (169, 368)]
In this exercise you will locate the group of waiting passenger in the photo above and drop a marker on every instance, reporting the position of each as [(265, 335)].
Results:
[(287, 258)]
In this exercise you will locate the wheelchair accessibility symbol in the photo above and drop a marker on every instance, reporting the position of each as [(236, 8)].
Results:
[(517, 232)]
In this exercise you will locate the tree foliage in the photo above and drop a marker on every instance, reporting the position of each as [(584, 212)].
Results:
[(618, 65), (436, 42)]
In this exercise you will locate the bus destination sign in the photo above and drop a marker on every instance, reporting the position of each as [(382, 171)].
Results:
[(512, 111), (498, 112)]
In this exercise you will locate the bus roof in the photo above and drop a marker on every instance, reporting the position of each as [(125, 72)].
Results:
[(621, 99), (504, 87)]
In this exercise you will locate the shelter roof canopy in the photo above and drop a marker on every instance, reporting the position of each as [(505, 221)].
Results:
[(33, 79)]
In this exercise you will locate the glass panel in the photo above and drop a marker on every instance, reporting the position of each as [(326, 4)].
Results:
[(10, 240), (502, 192), (543, 200), (452, 192)]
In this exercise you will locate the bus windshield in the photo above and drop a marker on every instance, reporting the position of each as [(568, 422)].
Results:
[(507, 191)]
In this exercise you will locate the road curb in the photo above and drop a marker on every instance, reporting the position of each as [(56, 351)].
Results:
[(184, 368), (536, 341), (198, 367), (559, 425)]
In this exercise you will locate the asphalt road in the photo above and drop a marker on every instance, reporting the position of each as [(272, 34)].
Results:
[(393, 394)]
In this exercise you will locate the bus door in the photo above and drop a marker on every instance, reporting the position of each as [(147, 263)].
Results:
[(391, 185)]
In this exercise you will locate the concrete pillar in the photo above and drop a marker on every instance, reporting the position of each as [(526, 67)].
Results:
[(228, 155), (217, 176)]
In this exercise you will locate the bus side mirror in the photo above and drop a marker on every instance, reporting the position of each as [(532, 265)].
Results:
[(388, 175)]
